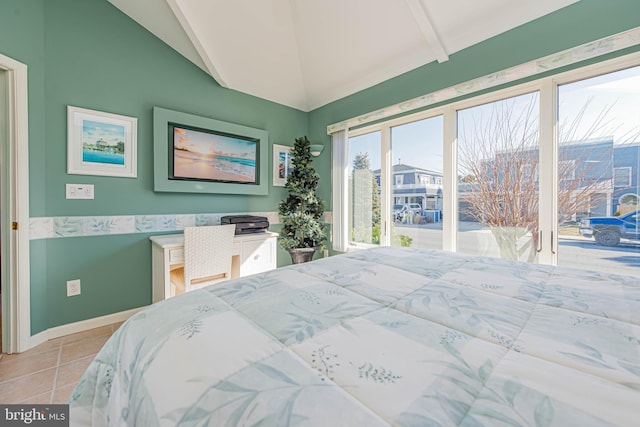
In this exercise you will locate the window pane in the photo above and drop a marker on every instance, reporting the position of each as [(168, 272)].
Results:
[(598, 133), (364, 188), (416, 153), (498, 178)]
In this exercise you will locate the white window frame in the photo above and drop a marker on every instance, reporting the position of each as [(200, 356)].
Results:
[(547, 174), (616, 172), (570, 165), (386, 193), (627, 194)]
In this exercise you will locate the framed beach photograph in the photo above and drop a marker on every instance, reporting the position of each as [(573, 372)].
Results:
[(100, 143), (281, 164)]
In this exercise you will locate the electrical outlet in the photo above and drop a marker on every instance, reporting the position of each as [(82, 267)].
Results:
[(325, 253), (73, 287)]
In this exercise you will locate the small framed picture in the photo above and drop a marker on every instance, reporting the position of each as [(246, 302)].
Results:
[(281, 164), (100, 143)]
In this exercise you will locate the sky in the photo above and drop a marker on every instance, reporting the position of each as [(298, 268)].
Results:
[(619, 93), (427, 154), (93, 131), (207, 143)]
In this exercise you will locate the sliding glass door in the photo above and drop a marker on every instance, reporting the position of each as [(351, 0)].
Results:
[(598, 191), (364, 189), (498, 159), (395, 185), (545, 172), (416, 182)]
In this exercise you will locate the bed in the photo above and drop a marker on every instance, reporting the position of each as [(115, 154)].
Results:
[(384, 336)]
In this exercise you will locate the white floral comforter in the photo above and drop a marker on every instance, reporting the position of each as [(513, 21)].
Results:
[(387, 336)]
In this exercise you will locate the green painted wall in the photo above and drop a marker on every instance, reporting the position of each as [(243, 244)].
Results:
[(86, 53)]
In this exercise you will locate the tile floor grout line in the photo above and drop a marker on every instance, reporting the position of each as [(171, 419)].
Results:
[(26, 375), (55, 377)]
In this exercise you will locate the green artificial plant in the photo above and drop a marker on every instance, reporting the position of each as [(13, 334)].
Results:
[(302, 211)]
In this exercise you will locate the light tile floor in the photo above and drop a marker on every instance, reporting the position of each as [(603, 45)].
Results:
[(49, 372)]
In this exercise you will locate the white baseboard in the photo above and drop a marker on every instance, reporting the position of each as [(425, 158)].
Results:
[(37, 339), (84, 325)]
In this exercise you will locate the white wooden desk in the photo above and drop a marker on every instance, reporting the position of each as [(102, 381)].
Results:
[(252, 253)]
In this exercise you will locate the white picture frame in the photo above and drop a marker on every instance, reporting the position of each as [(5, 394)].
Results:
[(100, 143), (281, 164)]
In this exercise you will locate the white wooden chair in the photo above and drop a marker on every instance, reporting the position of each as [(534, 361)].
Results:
[(207, 257)]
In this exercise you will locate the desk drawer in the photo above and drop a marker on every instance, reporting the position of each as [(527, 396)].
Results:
[(257, 256), (176, 255)]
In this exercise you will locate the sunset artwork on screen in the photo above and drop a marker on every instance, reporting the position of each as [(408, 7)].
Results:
[(206, 155)]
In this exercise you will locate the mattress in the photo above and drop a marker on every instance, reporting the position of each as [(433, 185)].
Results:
[(384, 336)]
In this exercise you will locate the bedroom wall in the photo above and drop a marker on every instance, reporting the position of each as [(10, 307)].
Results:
[(582, 22), (86, 53)]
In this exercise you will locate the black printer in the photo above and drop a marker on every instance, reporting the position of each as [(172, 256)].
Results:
[(246, 224)]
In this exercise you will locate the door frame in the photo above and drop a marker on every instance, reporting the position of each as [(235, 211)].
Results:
[(16, 323)]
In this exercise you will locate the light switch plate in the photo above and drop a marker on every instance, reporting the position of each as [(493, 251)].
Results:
[(80, 191), (73, 287)]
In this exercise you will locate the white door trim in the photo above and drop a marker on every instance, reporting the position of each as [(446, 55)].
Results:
[(17, 318)]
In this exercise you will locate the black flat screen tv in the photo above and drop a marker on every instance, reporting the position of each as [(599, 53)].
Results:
[(197, 154)]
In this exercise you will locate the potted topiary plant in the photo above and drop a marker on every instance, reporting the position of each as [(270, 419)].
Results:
[(302, 232)]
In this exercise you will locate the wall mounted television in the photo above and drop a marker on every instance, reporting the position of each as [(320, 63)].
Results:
[(198, 154)]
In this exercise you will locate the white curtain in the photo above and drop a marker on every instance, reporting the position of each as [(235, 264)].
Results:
[(339, 199)]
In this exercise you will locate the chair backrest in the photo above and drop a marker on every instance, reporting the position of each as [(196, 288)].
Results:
[(207, 254)]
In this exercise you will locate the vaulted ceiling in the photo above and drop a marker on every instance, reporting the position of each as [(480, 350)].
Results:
[(308, 53)]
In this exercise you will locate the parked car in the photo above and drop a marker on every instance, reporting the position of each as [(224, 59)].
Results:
[(413, 208), (397, 212), (608, 230), (407, 212)]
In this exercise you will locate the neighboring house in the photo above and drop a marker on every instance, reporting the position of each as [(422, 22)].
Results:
[(609, 170), (613, 168), (626, 159), (592, 164), (412, 184)]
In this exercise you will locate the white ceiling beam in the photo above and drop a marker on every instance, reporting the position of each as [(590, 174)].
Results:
[(298, 32), (213, 66), (420, 14)]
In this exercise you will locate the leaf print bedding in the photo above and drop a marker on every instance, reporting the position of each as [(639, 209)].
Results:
[(384, 336)]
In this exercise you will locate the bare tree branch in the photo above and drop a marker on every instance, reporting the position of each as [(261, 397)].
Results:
[(499, 165)]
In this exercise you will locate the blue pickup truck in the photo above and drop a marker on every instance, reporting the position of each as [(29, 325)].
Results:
[(608, 230)]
